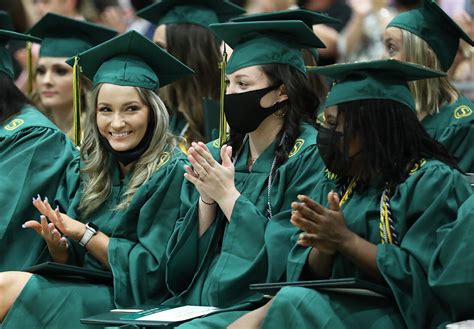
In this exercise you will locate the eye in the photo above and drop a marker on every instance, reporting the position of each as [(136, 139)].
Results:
[(104, 109), (40, 70), (132, 108), (61, 71), (243, 84), (227, 82)]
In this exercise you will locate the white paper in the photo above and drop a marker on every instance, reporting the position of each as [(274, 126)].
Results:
[(181, 313)]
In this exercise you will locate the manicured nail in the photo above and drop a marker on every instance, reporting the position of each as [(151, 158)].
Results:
[(23, 226)]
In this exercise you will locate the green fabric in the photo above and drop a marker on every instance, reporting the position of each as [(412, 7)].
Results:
[(138, 236), (217, 268), (453, 126), (297, 307), (5, 21), (382, 79), (131, 60), (199, 12), (34, 157), (417, 214), (266, 42), (65, 37), (433, 25), (451, 273), (177, 123), (6, 65)]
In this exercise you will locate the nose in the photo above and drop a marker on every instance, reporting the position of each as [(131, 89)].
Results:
[(47, 78), (117, 122)]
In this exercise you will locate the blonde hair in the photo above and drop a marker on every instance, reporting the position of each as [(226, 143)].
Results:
[(429, 94), (98, 182)]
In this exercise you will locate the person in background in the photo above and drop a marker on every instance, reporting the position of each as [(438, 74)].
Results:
[(53, 81), (429, 37), (381, 226), (128, 200), (34, 154), (69, 8), (182, 29)]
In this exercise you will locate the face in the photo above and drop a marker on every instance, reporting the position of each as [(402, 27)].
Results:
[(393, 43), (56, 6), (122, 117), (54, 82), (160, 36), (331, 121), (253, 78)]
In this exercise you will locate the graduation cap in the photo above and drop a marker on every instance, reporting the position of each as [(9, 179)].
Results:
[(267, 42), (65, 37), (308, 17), (129, 59), (433, 25), (382, 79), (5, 21), (199, 12), (6, 65)]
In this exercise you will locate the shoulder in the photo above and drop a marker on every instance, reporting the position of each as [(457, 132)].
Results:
[(459, 112), (28, 118)]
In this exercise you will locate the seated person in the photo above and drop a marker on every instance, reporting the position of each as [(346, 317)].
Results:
[(398, 186), (131, 175)]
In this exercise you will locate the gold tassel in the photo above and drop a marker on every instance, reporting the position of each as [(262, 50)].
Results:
[(29, 66), (77, 101), (222, 119)]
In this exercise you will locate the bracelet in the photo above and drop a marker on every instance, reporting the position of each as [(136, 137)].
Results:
[(208, 203)]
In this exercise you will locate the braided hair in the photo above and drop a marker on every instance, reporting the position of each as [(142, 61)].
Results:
[(302, 105), (392, 139)]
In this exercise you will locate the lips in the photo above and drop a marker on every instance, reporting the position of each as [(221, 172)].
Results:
[(49, 93), (120, 135)]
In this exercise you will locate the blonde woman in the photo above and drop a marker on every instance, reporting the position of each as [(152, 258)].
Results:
[(428, 36), (131, 178), (53, 80)]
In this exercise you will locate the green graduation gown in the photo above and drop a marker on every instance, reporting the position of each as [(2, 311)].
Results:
[(34, 155), (138, 237), (426, 200), (453, 126), (451, 273), (217, 268)]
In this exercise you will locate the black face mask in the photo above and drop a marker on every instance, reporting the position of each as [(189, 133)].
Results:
[(328, 142), (129, 156), (244, 112)]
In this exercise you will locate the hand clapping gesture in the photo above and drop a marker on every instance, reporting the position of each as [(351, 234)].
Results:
[(324, 229), (50, 227)]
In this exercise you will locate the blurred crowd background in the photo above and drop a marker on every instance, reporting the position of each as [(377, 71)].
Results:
[(357, 37)]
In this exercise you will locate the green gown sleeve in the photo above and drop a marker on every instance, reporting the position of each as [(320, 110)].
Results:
[(428, 199), (32, 162), (137, 261), (451, 272), (248, 248)]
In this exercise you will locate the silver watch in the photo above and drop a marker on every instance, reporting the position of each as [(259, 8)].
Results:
[(91, 230)]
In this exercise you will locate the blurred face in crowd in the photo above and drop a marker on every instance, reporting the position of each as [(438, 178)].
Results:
[(122, 117), (393, 44), (160, 36), (53, 82), (62, 7)]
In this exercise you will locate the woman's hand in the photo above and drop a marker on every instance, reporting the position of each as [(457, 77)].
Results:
[(69, 227), (57, 244), (214, 181), (324, 229)]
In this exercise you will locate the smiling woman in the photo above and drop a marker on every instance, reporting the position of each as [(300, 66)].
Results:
[(131, 175)]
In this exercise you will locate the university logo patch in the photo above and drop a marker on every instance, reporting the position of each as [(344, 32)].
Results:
[(164, 158), (15, 123), (417, 166), (298, 144), (462, 112)]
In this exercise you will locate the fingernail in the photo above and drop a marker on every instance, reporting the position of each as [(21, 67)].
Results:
[(42, 217), (23, 226), (38, 197), (46, 198), (34, 200), (57, 208)]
